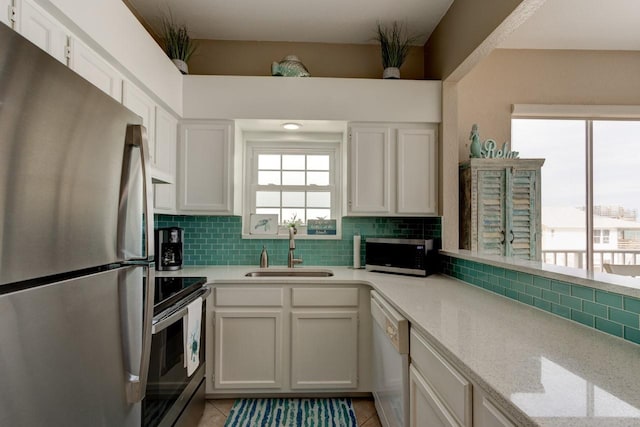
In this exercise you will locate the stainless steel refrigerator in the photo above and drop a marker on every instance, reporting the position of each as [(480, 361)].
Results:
[(76, 292)]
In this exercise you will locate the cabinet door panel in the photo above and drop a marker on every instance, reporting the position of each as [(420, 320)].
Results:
[(425, 409), (248, 349), (205, 161), (491, 211), (521, 202), (324, 350), (94, 69), (165, 155), (369, 175), (5, 15), (140, 103), (416, 172), (41, 29)]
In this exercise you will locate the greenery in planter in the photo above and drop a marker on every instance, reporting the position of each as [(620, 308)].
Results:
[(394, 44), (177, 43)]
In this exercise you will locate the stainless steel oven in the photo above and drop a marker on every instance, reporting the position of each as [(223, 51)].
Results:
[(172, 397)]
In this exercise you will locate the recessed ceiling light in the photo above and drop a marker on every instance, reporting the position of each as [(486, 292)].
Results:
[(291, 126)]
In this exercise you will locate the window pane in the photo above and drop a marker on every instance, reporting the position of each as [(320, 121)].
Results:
[(317, 178), (292, 178), (318, 163), (268, 178), (616, 191), (269, 161), (267, 198), (318, 213), (319, 199), (562, 144), (293, 199), (291, 161), (290, 213)]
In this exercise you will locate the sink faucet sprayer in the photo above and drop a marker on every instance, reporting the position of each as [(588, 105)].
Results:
[(292, 260)]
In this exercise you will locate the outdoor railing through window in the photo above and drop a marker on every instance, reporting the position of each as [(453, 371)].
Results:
[(578, 258)]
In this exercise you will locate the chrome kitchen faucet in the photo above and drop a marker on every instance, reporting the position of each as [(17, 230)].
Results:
[(292, 260)]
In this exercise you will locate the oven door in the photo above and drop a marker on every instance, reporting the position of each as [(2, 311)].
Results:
[(169, 389)]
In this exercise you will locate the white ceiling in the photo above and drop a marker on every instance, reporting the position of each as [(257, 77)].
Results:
[(580, 24), (326, 21)]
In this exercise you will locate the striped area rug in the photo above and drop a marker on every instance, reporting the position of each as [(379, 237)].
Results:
[(292, 413)]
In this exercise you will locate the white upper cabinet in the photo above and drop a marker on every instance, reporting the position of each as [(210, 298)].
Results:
[(416, 168), (140, 103), (94, 68), (369, 176), (205, 168), (41, 29), (165, 155), (6, 12), (392, 169)]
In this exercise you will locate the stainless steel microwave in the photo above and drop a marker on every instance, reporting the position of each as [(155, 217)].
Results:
[(402, 256)]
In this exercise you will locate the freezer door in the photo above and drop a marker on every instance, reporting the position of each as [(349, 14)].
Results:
[(62, 149), (68, 351)]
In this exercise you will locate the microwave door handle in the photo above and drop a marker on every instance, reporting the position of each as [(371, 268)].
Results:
[(177, 314), (137, 371), (136, 138)]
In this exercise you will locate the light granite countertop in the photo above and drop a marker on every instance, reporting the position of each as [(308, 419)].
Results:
[(542, 369)]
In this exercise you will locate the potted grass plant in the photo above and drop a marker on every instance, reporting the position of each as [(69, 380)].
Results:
[(394, 45), (177, 44)]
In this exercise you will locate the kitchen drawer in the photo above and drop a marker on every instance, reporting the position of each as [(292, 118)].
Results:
[(452, 388), (324, 297), (249, 297)]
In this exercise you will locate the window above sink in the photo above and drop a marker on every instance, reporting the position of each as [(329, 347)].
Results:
[(294, 177)]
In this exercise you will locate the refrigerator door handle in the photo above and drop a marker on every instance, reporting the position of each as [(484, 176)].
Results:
[(136, 137), (137, 370)]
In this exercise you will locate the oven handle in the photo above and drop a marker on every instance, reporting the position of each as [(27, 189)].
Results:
[(179, 312)]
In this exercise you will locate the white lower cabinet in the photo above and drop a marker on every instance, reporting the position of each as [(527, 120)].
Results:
[(324, 349), (439, 383), (248, 349), (486, 413), (287, 339), (248, 338), (425, 408)]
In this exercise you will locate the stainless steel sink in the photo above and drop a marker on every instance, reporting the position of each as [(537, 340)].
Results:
[(290, 272)]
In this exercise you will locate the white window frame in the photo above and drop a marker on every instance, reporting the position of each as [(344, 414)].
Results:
[(300, 143)]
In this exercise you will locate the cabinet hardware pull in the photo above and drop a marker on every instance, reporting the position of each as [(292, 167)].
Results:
[(513, 237), (503, 237)]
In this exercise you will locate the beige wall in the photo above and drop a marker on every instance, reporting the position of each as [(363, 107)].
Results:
[(464, 27), (507, 77), (321, 59)]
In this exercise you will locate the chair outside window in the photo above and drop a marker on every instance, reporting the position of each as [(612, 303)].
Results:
[(622, 270)]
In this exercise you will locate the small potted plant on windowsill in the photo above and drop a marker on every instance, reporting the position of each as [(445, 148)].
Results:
[(177, 44), (394, 45)]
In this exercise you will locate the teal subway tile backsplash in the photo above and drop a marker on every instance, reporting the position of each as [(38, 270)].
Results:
[(632, 304), (624, 317), (609, 327), (217, 240), (608, 312), (609, 298)]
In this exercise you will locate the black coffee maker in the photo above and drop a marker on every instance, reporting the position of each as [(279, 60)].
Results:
[(169, 248)]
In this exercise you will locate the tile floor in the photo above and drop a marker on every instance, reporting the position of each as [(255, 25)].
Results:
[(216, 412)]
